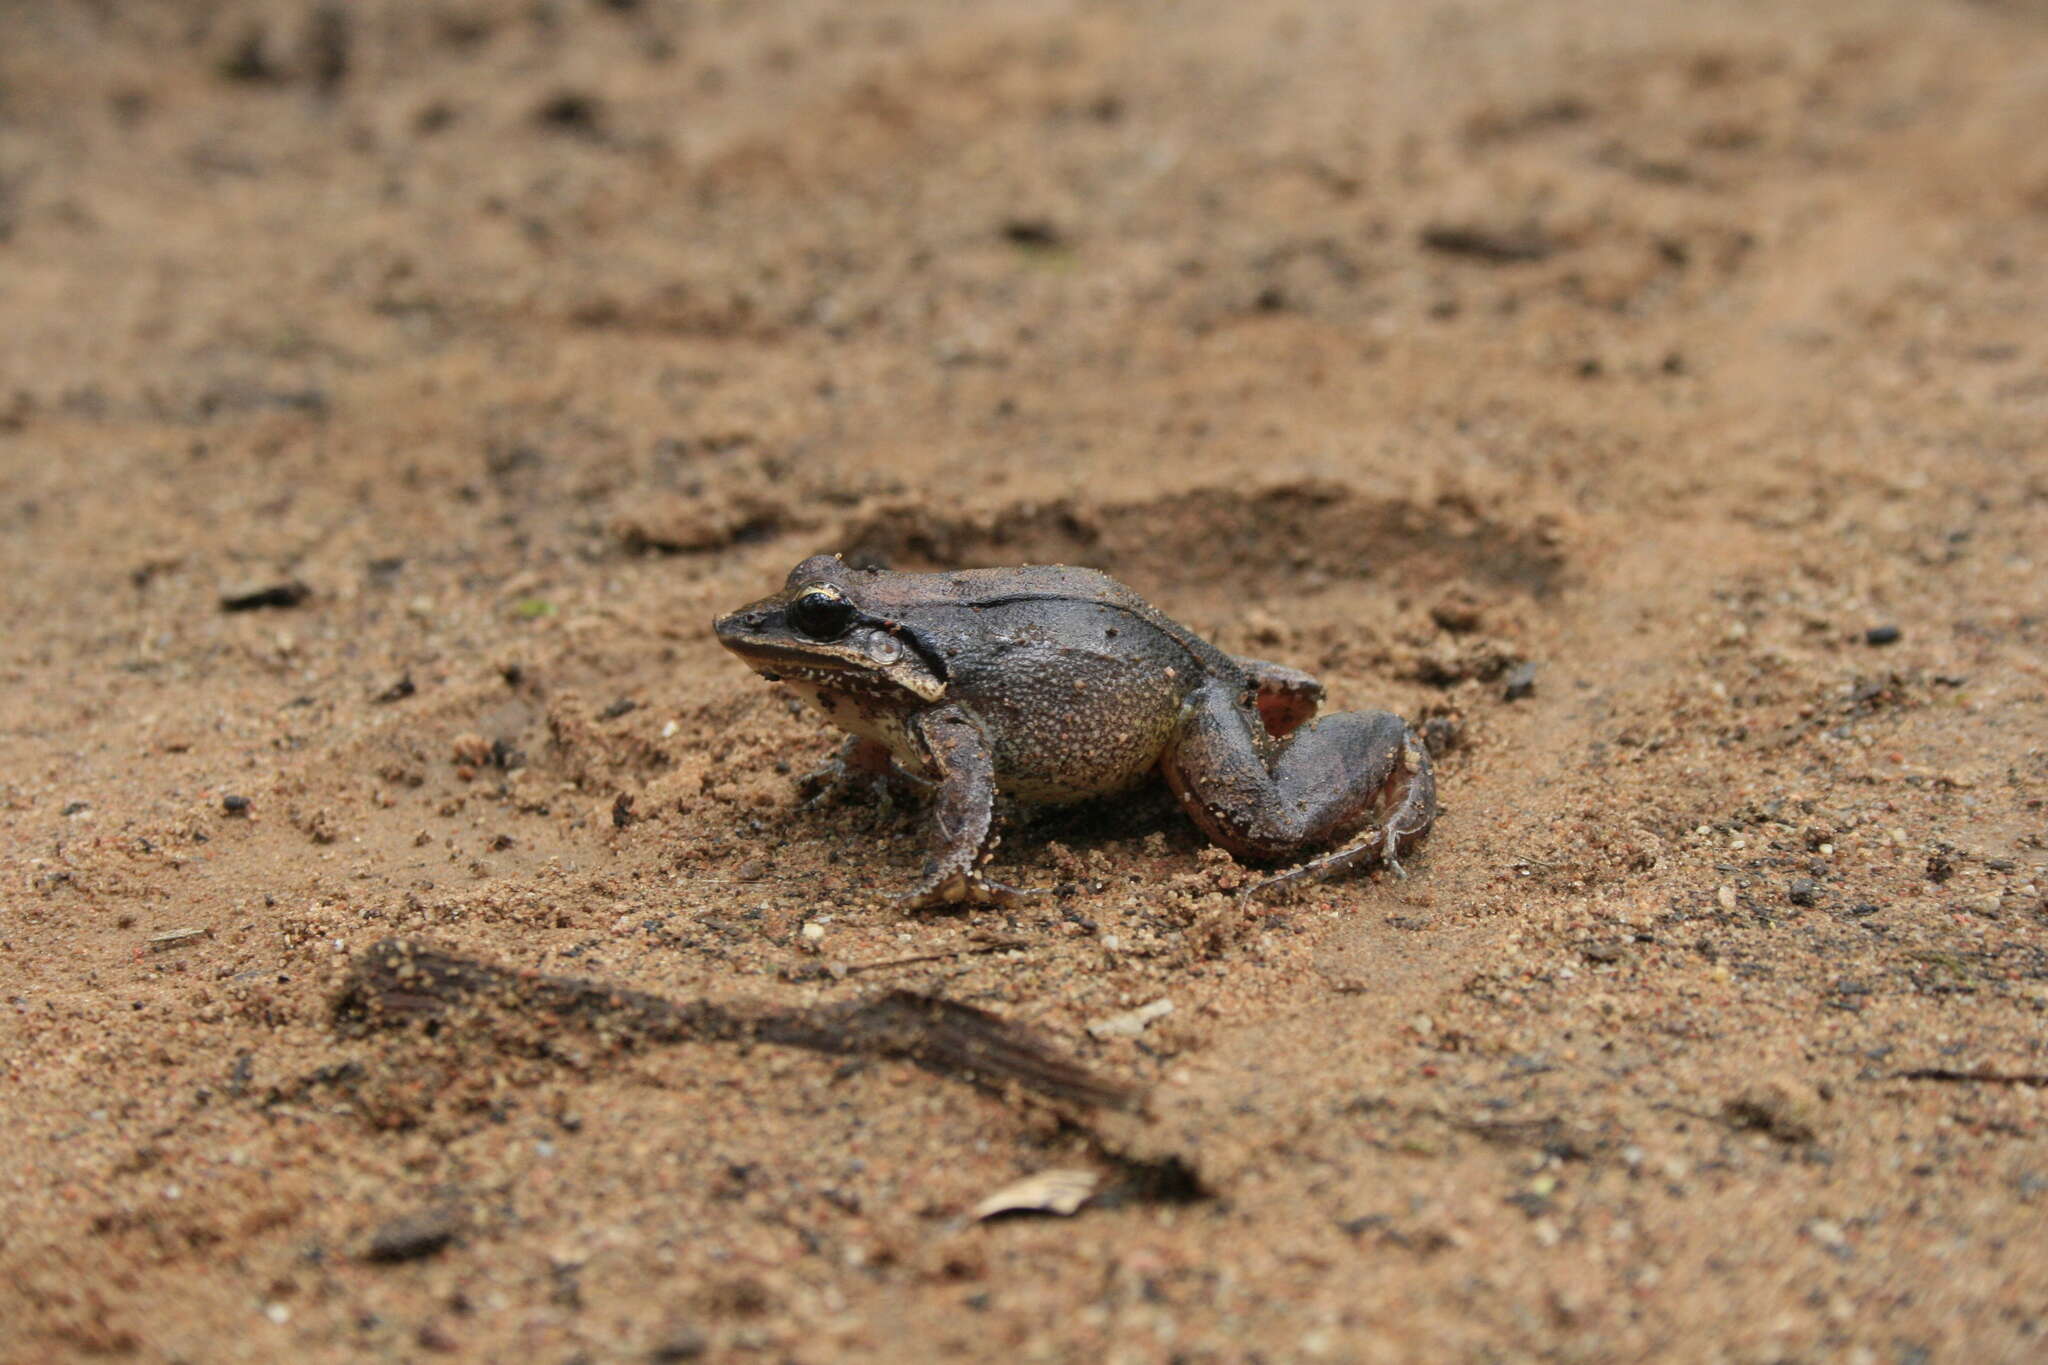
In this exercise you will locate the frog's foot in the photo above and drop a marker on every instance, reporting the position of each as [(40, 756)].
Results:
[(861, 771), (1351, 776), (1378, 849), (1381, 847), (963, 814), (965, 889)]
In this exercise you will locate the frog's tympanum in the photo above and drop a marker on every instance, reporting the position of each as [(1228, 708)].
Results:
[(1054, 684)]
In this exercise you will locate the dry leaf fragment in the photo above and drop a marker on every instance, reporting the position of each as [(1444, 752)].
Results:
[(1130, 1023), (1060, 1192)]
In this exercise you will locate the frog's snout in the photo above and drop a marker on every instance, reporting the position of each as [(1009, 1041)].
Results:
[(736, 626)]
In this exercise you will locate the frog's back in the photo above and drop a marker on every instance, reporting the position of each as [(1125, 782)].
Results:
[(1057, 595)]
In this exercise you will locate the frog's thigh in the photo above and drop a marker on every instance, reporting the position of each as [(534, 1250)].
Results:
[(1332, 778), (965, 804), (1287, 696)]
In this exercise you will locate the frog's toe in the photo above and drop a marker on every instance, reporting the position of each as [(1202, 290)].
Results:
[(966, 889), (999, 893)]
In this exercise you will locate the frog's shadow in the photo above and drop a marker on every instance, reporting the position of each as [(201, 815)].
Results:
[(1108, 822), (1105, 822)]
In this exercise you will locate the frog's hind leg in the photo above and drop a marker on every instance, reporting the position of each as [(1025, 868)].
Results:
[(1287, 697), (1353, 773)]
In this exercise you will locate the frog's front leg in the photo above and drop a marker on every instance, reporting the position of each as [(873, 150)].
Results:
[(861, 767), (1343, 775), (963, 814)]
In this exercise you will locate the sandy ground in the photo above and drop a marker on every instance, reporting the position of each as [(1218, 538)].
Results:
[(1693, 354)]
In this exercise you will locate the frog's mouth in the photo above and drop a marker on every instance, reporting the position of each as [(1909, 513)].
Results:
[(870, 661)]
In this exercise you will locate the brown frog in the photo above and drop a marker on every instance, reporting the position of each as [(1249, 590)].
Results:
[(1054, 684)]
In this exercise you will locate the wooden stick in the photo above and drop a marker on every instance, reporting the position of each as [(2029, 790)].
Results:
[(398, 981)]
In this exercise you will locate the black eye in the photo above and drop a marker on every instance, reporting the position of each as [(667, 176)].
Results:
[(821, 613)]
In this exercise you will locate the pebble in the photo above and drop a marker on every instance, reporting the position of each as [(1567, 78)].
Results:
[(255, 598), (1881, 635), (1131, 1023), (679, 1343), (1521, 683), (1803, 891), (413, 1236)]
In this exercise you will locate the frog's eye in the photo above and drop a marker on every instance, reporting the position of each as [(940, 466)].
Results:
[(822, 612)]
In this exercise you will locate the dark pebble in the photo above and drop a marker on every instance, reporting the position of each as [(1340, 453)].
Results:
[(275, 595), (571, 111), (414, 1236), (617, 709), (1881, 635), (1440, 735), (679, 1343), (235, 805), (1521, 682), (1802, 891), (75, 807), (398, 691), (622, 810), (1033, 233), (1492, 245), (1864, 908)]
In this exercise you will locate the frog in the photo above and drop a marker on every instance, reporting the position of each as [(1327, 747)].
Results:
[(1050, 684)]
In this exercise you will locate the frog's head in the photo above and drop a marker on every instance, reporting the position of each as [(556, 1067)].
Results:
[(820, 631)]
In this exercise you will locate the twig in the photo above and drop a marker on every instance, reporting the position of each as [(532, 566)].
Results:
[(1003, 945), (1980, 1076), (396, 982)]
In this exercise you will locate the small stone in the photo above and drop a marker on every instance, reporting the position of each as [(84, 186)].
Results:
[(289, 594), (679, 1343), (471, 750), (1521, 682), (234, 805), (1458, 612), (398, 691), (1881, 635), (413, 1236), (1784, 1109), (1864, 908), (1803, 891), (1130, 1023), (1725, 897), (752, 870)]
